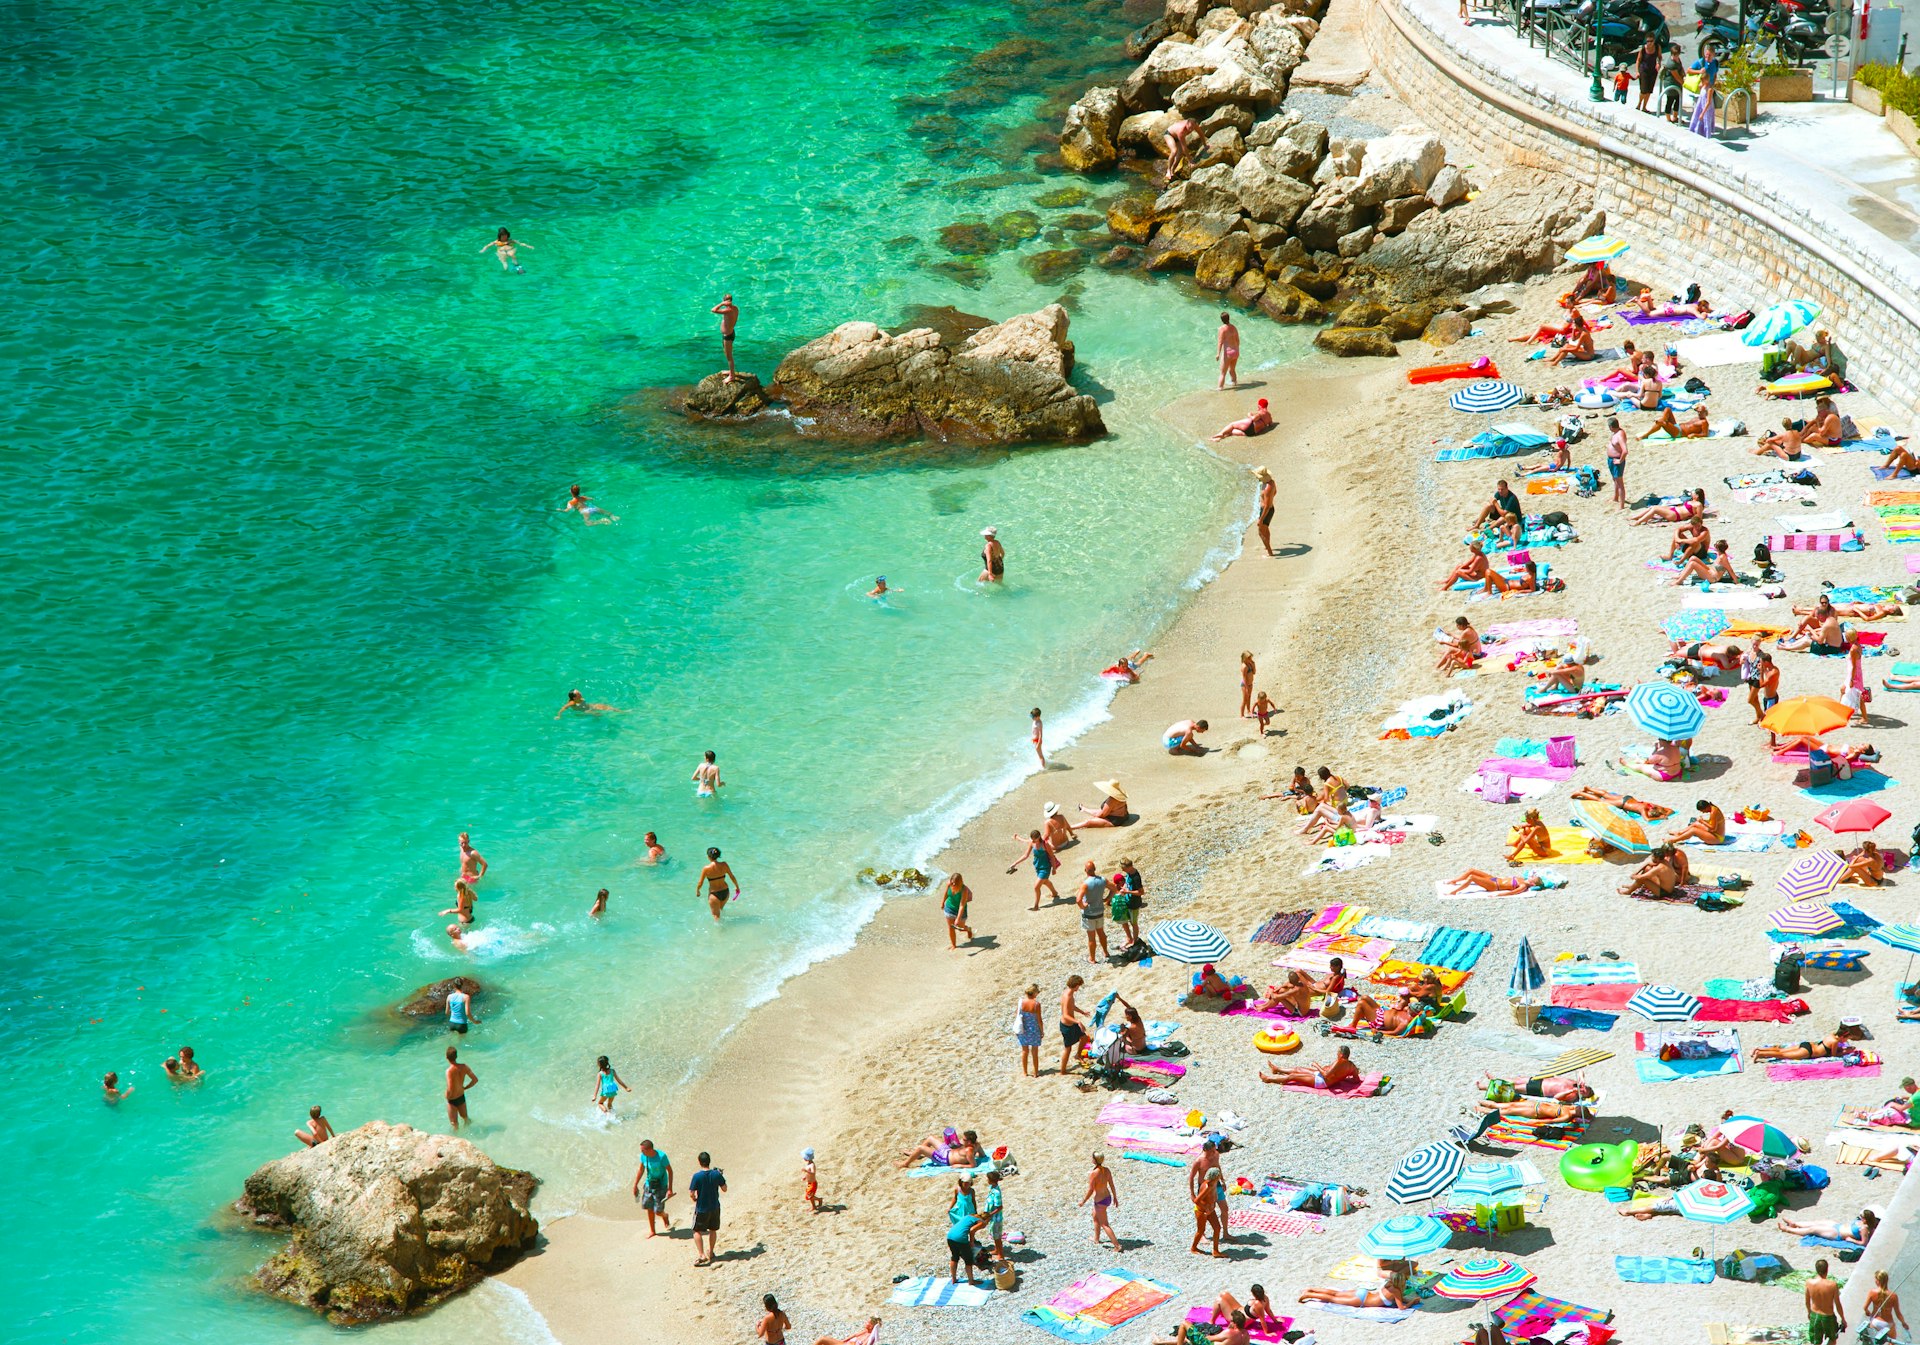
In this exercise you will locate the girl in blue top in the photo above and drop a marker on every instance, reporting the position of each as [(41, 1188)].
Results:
[(610, 1084)]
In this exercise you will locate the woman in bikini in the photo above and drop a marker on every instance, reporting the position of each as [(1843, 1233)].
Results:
[(1695, 426), (1400, 1019), (503, 246), (1488, 882), (1245, 428), (1391, 1294), (1530, 837), (1527, 581), (1694, 506), (1825, 1048), (1717, 571), (716, 877), (1105, 1196), (993, 558), (1861, 1230), (1227, 346), (1866, 866), (1565, 677), (947, 1149), (1206, 1210)]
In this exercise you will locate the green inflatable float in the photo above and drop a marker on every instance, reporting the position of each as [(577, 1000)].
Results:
[(1595, 1167)]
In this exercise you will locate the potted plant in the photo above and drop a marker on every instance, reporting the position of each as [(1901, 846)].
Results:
[(1739, 70), (1781, 82)]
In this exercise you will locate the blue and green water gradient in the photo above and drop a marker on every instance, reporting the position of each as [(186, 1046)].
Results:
[(291, 601)]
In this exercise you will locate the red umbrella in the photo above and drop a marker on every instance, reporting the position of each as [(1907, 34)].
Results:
[(1853, 815)]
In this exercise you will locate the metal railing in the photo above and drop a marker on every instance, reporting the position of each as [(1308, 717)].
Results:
[(1553, 31)]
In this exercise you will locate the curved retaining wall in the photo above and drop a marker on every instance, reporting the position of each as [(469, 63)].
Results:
[(1692, 210)]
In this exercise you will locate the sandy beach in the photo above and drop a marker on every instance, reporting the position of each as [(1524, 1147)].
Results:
[(902, 1036)]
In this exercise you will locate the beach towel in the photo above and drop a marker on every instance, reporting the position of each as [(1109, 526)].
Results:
[(1283, 927), (1603, 972), (1663, 1270), (1565, 845), (1321, 963), (1722, 598), (937, 1291), (1156, 1141), (1394, 929), (1265, 1332), (1837, 520), (1285, 1224), (1167, 1160), (1813, 541), (1426, 716), (1743, 1011), (1654, 1070), (1779, 492), (1356, 946), (1682, 404), (1522, 1130), (1905, 670), (1727, 987), (1341, 858), (1403, 975), (1610, 998), (1847, 1251), (1142, 1114), (1530, 1305), (942, 1170), (1367, 1085), (1268, 1015), (1385, 1316), (1588, 1018), (1337, 919), (1865, 780), (1092, 1307), (1455, 949), (1156, 1066), (1569, 1061), (1785, 1071)]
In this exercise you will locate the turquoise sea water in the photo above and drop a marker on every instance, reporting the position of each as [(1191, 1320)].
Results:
[(291, 603)]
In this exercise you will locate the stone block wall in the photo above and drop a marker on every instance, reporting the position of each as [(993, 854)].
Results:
[(1690, 213)]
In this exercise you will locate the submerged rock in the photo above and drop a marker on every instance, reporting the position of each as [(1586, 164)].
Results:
[(1004, 384), (387, 1220), (970, 239), (1055, 265), (430, 1001), (716, 398), (1061, 198), (1017, 226)]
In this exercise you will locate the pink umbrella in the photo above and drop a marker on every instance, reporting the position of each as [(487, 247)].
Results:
[(1853, 815)]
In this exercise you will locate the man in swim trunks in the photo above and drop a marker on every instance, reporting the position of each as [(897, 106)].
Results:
[(1473, 568), (1073, 1027), (1502, 511), (1178, 154), (1559, 1087), (1264, 502), (473, 864), (1329, 1075), (1397, 1020), (993, 557), (729, 321), (656, 1172), (459, 1079), (1819, 632), (719, 880), (1826, 1318), (1092, 901), (319, 1130), (1183, 738)]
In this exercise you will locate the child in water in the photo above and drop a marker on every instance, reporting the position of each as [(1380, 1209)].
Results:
[(503, 246), (608, 1087)]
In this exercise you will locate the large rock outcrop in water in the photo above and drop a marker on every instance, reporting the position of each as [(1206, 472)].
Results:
[(430, 1001), (387, 1220), (1005, 384), (1520, 224)]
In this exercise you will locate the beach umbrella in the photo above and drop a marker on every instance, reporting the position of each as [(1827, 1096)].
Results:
[(1426, 1172), (1188, 941), (1807, 918), (1852, 815), (1405, 1236), (1622, 830), (1489, 1181), (1599, 248), (1487, 395), (1811, 876), (1756, 1136), (1806, 716), (1527, 976), (1484, 1278), (1713, 1203), (1665, 710), (1663, 1004), (1776, 322), (1904, 937)]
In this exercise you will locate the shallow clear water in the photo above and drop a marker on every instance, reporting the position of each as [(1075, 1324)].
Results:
[(291, 603)]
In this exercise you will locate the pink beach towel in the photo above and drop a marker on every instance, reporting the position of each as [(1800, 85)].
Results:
[(1787, 1071), (1156, 1066), (1202, 1316), (1809, 541), (1743, 1011), (1282, 1223), (1527, 768), (1366, 1086), (1141, 1114), (1268, 1015), (1607, 998)]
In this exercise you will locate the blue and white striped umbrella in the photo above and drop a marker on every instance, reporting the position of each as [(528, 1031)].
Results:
[(1188, 941), (1487, 395), (1490, 1181), (1426, 1172), (1811, 876), (1527, 976), (1599, 248), (1663, 1004), (1665, 711), (1904, 937), (1776, 322), (1404, 1237)]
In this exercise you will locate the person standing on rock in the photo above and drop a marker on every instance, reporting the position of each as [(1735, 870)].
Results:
[(656, 1172), (1264, 520), (459, 1080), (729, 319), (993, 558), (1227, 346), (705, 1186), (1177, 150)]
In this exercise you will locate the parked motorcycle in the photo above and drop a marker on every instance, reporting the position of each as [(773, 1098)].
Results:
[(1625, 25)]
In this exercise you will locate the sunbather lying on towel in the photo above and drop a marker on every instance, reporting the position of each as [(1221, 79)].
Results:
[(1559, 1087), (1694, 426), (947, 1149), (1234, 1332), (1665, 762), (1530, 837), (1338, 1071), (1866, 866), (1524, 881), (1702, 658), (1559, 460), (1402, 1019), (866, 1335), (1861, 1230), (1527, 581), (1326, 819), (1474, 567), (1709, 827), (1890, 1115), (1839, 1043), (1392, 1294), (1643, 1211), (1694, 506), (1463, 647), (1859, 611), (1522, 1108), (1902, 461), (1652, 812)]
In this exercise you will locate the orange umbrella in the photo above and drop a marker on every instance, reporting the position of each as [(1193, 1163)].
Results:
[(1809, 716)]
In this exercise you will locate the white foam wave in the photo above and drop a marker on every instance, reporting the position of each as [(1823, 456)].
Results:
[(518, 1317)]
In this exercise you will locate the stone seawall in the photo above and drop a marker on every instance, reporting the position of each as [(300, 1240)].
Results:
[(1692, 212)]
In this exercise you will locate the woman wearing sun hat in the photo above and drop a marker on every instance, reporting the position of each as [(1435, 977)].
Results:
[(1112, 811), (993, 557)]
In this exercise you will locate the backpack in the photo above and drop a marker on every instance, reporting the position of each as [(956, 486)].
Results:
[(1738, 320)]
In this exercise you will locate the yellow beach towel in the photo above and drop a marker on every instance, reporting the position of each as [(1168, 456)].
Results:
[(1566, 845)]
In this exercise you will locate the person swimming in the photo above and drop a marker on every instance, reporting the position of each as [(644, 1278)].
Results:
[(579, 703), (655, 851), (590, 513), (879, 589), (503, 245)]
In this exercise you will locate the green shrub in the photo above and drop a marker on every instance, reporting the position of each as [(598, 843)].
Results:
[(1897, 88)]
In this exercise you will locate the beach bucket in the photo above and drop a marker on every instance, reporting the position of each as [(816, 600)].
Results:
[(1560, 752)]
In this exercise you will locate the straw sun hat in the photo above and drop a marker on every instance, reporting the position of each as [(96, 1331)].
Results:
[(1111, 788)]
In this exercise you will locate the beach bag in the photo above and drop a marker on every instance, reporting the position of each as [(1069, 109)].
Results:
[(1849, 430), (1560, 752), (1557, 519)]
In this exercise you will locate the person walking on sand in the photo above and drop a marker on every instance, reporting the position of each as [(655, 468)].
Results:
[(608, 1086), (1617, 460), (1826, 1318), (809, 1181), (1092, 901), (719, 880), (1030, 1031), (706, 1186), (1226, 346), (319, 1130), (1247, 673), (993, 557), (729, 321), (503, 245), (1073, 1027), (473, 864), (1105, 1197), (1208, 1197), (1263, 521), (1045, 861), (656, 1174), (1039, 747), (459, 1080), (953, 905)]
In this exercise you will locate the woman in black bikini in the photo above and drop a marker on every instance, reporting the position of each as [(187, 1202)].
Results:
[(1825, 1048), (718, 876), (993, 558)]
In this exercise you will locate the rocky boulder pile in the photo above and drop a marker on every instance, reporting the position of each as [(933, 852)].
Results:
[(1003, 384), (386, 1220)]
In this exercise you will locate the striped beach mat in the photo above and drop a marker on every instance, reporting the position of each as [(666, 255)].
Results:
[(1524, 1130), (1574, 1060), (1280, 1223), (1809, 541), (1454, 949), (1594, 973)]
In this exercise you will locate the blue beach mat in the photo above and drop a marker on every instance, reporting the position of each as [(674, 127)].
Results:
[(1565, 1017), (1662, 1270), (942, 1170), (1454, 949), (1860, 784), (1848, 1251), (1652, 1070)]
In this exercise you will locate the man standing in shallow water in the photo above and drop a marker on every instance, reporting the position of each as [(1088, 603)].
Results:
[(729, 319), (459, 1080)]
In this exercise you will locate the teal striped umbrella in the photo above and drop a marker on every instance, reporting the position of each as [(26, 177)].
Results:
[(1776, 322), (1405, 1236), (1904, 937), (1599, 248)]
